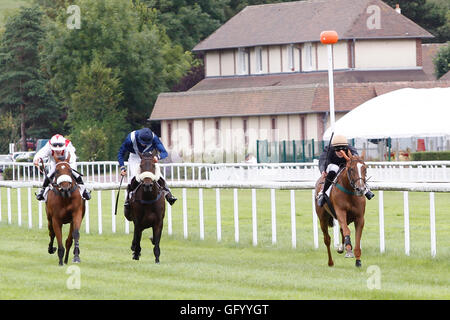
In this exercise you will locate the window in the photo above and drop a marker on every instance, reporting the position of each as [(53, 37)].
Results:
[(274, 128), (244, 124), (308, 56), (242, 61), (258, 59), (217, 126), (291, 64), (169, 133), (191, 133)]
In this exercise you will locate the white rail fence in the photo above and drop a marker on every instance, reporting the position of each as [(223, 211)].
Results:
[(108, 171), (431, 188)]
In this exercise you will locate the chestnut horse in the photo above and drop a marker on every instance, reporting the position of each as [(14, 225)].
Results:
[(64, 205), (147, 205), (349, 203)]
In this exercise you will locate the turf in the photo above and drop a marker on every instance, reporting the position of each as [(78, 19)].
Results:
[(208, 269)]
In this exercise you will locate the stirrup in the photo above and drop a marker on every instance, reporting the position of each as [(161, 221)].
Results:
[(369, 195), (86, 195), (40, 195), (171, 199), (321, 200)]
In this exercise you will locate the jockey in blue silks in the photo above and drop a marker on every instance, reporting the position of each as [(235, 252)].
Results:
[(140, 141)]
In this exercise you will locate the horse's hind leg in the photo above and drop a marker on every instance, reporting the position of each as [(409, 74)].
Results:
[(51, 233), (69, 242), (155, 240), (326, 239)]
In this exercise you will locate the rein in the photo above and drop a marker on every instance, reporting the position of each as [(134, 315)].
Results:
[(352, 184)]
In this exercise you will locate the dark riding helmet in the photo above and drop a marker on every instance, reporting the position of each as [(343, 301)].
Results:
[(339, 142), (145, 136)]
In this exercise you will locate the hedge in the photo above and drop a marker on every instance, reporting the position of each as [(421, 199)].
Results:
[(430, 155)]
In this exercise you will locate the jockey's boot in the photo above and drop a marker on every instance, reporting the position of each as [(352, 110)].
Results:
[(86, 194), (328, 180), (40, 195), (369, 194), (169, 196)]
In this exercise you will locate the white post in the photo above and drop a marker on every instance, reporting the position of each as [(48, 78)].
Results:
[(274, 216), (30, 218), (200, 206), (293, 224), (331, 85), (0, 204), (86, 217), (40, 214), (381, 219), (8, 201), (315, 231), (336, 233), (127, 223), (254, 222), (169, 220), (19, 207), (406, 220), (432, 225), (99, 210), (113, 204), (218, 216), (236, 215), (185, 222)]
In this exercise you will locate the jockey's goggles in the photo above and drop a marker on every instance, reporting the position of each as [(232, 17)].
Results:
[(339, 148), (58, 145)]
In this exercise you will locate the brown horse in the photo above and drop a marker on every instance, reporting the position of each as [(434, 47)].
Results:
[(64, 205), (347, 199), (147, 205)]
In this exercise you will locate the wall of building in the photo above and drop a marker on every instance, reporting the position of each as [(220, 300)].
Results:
[(379, 54)]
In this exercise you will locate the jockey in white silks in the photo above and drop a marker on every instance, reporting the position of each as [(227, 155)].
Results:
[(140, 141), (59, 147)]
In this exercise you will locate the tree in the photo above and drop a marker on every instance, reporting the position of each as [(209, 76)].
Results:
[(97, 127), (430, 15), (138, 53), (442, 61), (23, 89)]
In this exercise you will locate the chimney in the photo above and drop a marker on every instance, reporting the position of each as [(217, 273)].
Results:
[(397, 8)]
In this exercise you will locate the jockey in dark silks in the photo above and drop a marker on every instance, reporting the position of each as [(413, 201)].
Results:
[(330, 161), (140, 141)]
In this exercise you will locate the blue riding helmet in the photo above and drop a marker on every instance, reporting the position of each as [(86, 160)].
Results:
[(145, 136)]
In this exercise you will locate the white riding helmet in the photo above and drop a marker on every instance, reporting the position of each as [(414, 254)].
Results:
[(58, 143)]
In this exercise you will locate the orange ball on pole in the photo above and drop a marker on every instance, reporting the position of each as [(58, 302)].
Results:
[(328, 37)]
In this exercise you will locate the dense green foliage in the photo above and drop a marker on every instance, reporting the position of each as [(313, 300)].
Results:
[(442, 61), (430, 155)]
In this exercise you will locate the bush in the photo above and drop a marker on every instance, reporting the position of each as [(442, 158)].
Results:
[(430, 155)]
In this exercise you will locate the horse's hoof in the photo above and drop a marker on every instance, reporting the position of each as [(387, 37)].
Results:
[(52, 250), (340, 249), (349, 254), (76, 260), (61, 264), (135, 257), (331, 264), (358, 263)]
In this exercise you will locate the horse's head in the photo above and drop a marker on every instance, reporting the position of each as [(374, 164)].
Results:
[(356, 172), (63, 176), (150, 172)]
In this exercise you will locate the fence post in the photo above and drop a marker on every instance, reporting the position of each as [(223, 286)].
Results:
[(40, 214), (19, 207), (99, 209), (218, 216), (254, 222), (8, 201), (432, 225), (381, 219), (113, 216), (200, 206), (293, 224), (86, 218), (30, 219), (274, 216), (406, 220), (185, 222), (315, 231), (236, 215)]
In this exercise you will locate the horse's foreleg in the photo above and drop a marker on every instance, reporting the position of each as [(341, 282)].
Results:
[(341, 245), (51, 234), (76, 236), (136, 245), (359, 225), (155, 240), (57, 228), (342, 219), (69, 242)]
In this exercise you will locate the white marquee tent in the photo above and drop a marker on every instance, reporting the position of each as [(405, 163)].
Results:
[(398, 114)]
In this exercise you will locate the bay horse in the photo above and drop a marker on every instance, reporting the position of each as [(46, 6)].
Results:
[(64, 205), (147, 205), (349, 203)]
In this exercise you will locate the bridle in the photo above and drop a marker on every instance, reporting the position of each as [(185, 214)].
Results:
[(353, 182), (56, 186)]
